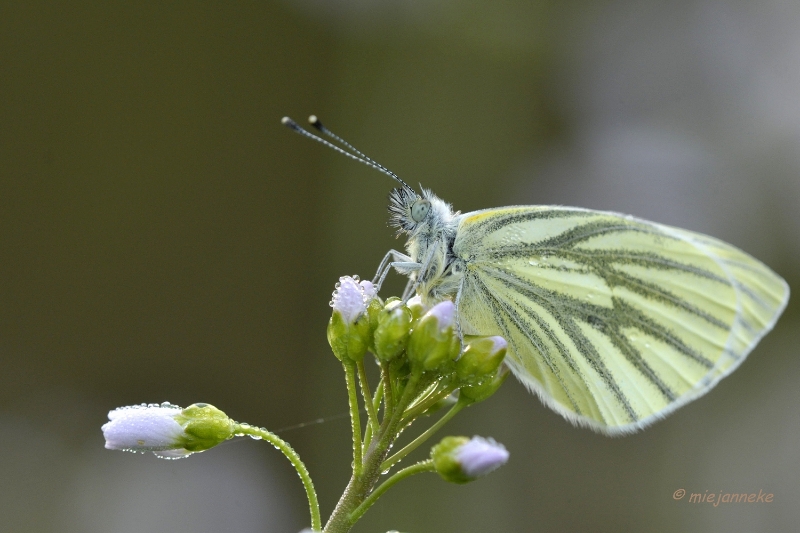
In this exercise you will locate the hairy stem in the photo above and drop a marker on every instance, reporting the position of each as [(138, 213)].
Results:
[(355, 419), (424, 466), (365, 477), (288, 451), (367, 395), (422, 406), (410, 447)]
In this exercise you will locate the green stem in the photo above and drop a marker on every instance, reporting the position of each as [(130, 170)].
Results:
[(388, 392), (424, 466), (352, 393), (376, 404), (409, 390), (418, 409), (410, 447), (376, 401), (365, 392), (367, 440), (302, 471), (363, 479)]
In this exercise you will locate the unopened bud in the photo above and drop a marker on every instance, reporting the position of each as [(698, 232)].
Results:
[(433, 341), (349, 329), (481, 358), (417, 307), (477, 392), (391, 334), (461, 460), (167, 430)]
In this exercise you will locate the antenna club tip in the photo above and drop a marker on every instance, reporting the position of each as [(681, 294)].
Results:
[(314, 121), (286, 121)]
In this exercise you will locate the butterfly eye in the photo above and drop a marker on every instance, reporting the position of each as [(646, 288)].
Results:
[(420, 210)]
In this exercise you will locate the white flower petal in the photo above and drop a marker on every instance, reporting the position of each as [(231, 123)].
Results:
[(445, 313), (348, 299), (369, 290), (480, 456), (144, 428)]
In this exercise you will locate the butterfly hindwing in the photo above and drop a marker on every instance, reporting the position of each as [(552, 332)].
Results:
[(613, 321)]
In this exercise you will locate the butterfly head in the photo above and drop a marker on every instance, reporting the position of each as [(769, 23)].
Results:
[(409, 212), (407, 209)]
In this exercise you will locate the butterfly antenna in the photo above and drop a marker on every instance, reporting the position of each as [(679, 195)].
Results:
[(354, 154), (314, 121)]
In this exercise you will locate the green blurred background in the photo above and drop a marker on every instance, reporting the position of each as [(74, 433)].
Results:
[(162, 237)]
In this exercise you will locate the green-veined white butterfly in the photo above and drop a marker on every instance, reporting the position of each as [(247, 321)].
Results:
[(613, 321)]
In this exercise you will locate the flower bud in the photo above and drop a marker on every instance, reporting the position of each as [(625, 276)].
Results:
[(417, 307), (391, 334), (166, 430), (374, 311), (461, 460), (477, 392), (433, 341), (349, 332), (481, 358)]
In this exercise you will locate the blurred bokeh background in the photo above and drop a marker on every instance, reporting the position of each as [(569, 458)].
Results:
[(162, 237)]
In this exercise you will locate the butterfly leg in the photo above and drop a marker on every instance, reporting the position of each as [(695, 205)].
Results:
[(457, 303), (402, 263), (407, 291), (401, 266), (383, 267), (422, 268)]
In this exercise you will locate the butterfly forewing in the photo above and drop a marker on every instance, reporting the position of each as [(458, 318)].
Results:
[(612, 320)]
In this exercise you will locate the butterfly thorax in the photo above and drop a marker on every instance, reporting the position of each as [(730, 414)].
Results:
[(431, 227)]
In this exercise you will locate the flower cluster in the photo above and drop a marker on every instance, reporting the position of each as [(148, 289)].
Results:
[(426, 365), (413, 339)]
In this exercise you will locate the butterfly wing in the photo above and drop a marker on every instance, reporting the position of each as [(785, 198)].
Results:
[(613, 321)]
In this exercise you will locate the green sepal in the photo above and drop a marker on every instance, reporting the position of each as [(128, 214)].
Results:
[(430, 347), (481, 390), (204, 426), (417, 309), (392, 332), (374, 308), (349, 341), (444, 460), (481, 358)]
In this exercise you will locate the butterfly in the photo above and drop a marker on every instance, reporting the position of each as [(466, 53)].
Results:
[(612, 321)]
